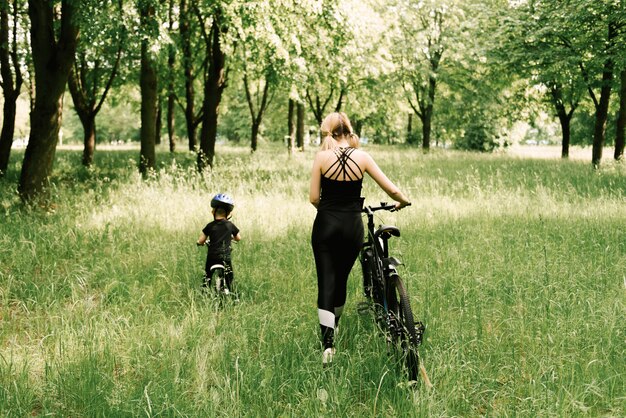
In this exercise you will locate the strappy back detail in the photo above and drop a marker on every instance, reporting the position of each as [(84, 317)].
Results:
[(341, 183), (344, 168)]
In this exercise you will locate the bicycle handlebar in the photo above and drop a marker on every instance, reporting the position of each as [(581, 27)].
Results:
[(383, 206)]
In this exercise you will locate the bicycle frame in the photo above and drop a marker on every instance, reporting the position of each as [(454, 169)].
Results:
[(378, 239)]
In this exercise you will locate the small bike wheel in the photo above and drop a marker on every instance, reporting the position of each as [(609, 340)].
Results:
[(218, 279), (405, 335)]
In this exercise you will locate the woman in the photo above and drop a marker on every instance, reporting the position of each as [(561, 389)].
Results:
[(335, 191)]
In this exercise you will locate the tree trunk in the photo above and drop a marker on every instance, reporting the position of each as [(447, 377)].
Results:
[(602, 108), (11, 83), (565, 135), (602, 113), (84, 108), (171, 97), (430, 104), (89, 138), (342, 93), (208, 132), (256, 115), (318, 108), (190, 121), (358, 128), (52, 60), (300, 126), (149, 98), (254, 135), (621, 119), (159, 120), (170, 122), (8, 129), (565, 117), (409, 129), (291, 126), (426, 128), (214, 86), (187, 62)]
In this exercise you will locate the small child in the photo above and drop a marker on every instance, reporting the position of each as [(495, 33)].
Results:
[(219, 233)]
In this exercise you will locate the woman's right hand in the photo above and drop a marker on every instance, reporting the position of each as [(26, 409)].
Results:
[(401, 205)]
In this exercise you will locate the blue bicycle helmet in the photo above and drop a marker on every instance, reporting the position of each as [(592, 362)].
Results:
[(223, 201)]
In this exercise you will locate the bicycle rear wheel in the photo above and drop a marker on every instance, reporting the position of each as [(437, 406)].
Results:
[(406, 334)]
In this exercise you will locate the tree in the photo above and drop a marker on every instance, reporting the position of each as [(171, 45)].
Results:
[(263, 54), (420, 55), (620, 123), (148, 85), (53, 55), (591, 33), (95, 67), (213, 24), (621, 119), (602, 104), (11, 76), (171, 93), (532, 47), (291, 126), (324, 46), (188, 58)]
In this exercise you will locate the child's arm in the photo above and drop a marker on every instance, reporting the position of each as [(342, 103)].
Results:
[(237, 237), (201, 239)]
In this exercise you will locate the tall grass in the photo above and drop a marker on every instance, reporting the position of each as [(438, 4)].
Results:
[(516, 266)]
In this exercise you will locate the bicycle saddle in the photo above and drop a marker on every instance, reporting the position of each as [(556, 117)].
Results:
[(387, 229)]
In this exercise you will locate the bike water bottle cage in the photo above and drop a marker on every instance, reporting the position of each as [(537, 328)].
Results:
[(386, 231)]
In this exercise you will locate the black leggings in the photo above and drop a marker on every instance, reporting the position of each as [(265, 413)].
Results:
[(336, 239)]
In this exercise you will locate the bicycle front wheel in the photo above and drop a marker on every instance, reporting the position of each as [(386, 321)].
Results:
[(406, 337)]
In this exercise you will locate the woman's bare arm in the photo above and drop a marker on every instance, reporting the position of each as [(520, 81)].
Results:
[(316, 179), (383, 181)]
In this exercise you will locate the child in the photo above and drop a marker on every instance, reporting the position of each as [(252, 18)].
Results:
[(219, 234)]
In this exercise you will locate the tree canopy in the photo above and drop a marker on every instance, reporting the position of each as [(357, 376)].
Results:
[(449, 72)]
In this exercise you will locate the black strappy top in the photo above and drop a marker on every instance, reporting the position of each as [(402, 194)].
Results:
[(341, 184)]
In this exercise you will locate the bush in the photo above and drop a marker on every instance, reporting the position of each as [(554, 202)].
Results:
[(480, 135)]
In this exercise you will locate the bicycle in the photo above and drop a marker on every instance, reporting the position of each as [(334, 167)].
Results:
[(216, 279), (387, 295)]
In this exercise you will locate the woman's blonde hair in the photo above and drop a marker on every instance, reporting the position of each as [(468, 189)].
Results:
[(334, 126)]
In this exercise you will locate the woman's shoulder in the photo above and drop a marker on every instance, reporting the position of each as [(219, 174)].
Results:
[(324, 154), (361, 154)]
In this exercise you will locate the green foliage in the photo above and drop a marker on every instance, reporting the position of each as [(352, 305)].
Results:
[(480, 135), (498, 58), (117, 121)]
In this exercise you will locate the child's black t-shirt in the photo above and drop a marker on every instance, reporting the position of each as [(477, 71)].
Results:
[(220, 233)]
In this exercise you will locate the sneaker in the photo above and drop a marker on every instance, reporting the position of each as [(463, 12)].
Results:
[(327, 356)]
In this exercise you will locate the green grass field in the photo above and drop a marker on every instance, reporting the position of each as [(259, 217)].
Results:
[(516, 266)]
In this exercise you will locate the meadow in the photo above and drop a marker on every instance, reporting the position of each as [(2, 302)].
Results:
[(517, 267)]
